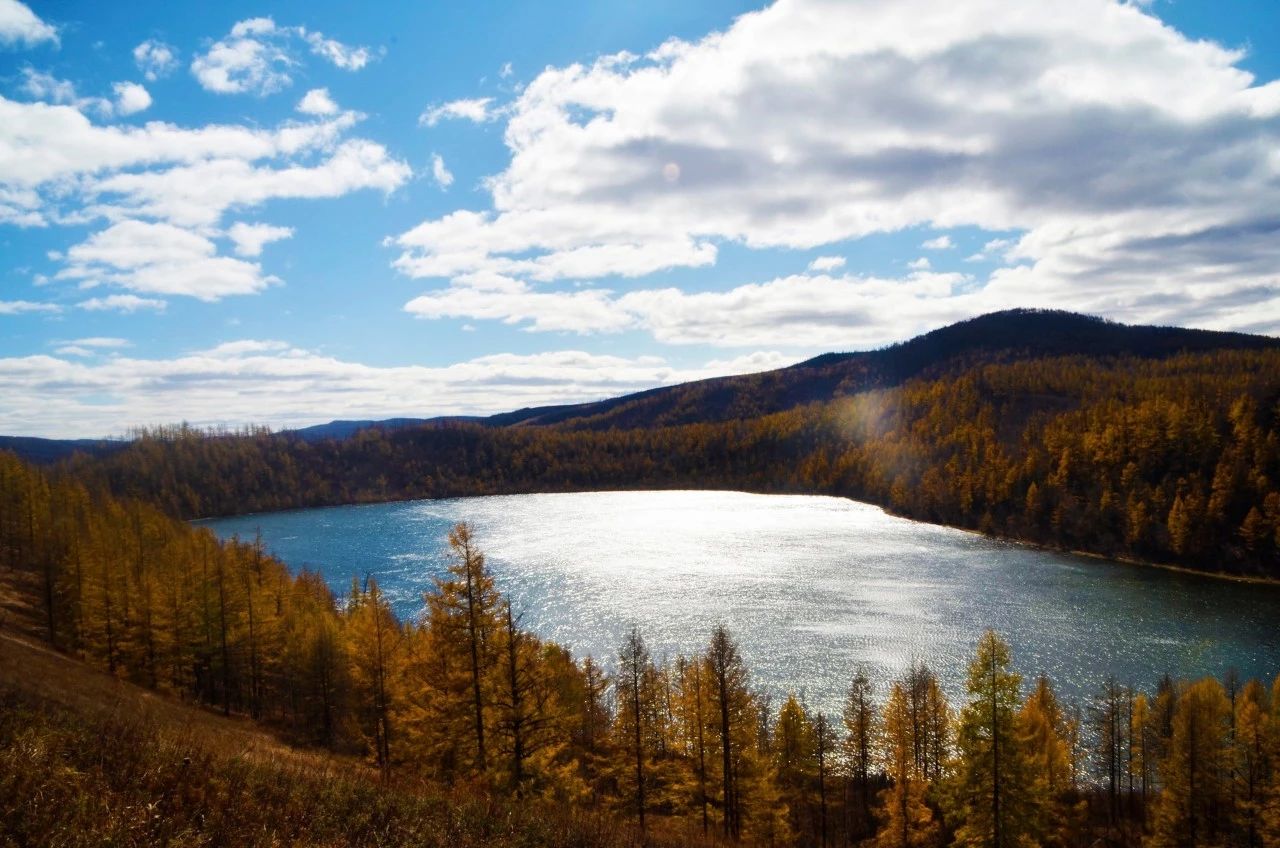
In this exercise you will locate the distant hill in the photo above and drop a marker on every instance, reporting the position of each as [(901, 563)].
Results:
[(1008, 336), (44, 451), (344, 429)]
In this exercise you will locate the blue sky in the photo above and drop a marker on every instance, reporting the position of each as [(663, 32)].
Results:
[(282, 213)]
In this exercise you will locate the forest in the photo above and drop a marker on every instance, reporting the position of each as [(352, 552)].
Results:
[(1172, 459), (680, 751)]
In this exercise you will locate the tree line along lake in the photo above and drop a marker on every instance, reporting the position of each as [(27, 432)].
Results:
[(812, 586)]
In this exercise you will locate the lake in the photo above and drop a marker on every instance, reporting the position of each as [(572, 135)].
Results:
[(811, 586)]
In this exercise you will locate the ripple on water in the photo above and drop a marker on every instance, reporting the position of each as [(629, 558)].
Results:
[(813, 587)]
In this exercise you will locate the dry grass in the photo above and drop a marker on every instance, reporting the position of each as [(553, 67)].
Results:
[(86, 759)]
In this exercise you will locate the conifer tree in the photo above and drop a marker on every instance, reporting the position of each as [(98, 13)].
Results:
[(906, 820), (1192, 808), (991, 797), (861, 729), (463, 617)]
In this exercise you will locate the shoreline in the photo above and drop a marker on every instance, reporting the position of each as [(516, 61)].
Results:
[(1119, 560)]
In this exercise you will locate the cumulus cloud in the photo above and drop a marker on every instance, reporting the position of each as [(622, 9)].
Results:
[(920, 264), (174, 184), (155, 59), (19, 307), (131, 98), (340, 55), (995, 248), (19, 26), (199, 194), (245, 62), (477, 110), (280, 385), (91, 346), (942, 242), (317, 102), (801, 311), (250, 238), (258, 57), (442, 175), (513, 302), (157, 258), (125, 303), (827, 263), (1138, 165)]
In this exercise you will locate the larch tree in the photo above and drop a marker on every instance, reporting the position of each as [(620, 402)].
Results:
[(794, 756), (906, 819), (634, 694), (463, 618), (992, 795), (861, 727), (824, 743), (375, 638), (1193, 805), (732, 709)]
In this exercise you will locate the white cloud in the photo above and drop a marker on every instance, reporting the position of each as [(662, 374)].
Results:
[(442, 175), (506, 71), (199, 194), (274, 383), (317, 102), (942, 242), (19, 307), (58, 166), (103, 341), (340, 55), (161, 259), (920, 264), (19, 26), (91, 346), (258, 57), (244, 63), (131, 98), (155, 59), (513, 302), (250, 238), (1139, 164), (992, 249), (803, 311), (45, 86), (125, 303), (476, 110), (827, 263)]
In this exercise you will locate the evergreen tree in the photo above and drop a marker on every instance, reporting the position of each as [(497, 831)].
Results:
[(1193, 806), (992, 797), (906, 820)]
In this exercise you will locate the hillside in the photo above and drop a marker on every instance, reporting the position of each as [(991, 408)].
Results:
[(1008, 336), (88, 759), (1000, 337)]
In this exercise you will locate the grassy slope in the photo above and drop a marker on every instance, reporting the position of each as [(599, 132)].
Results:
[(86, 759)]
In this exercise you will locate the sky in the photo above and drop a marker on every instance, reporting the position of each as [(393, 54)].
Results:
[(280, 213)]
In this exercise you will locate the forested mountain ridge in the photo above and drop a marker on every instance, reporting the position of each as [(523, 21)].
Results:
[(1171, 457), (1008, 336)]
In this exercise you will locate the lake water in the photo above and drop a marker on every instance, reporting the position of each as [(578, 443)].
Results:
[(811, 586)]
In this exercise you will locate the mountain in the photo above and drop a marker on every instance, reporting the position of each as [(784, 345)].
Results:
[(1008, 336), (1011, 335)]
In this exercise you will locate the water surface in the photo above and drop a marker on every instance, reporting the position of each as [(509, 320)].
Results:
[(811, 586)]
